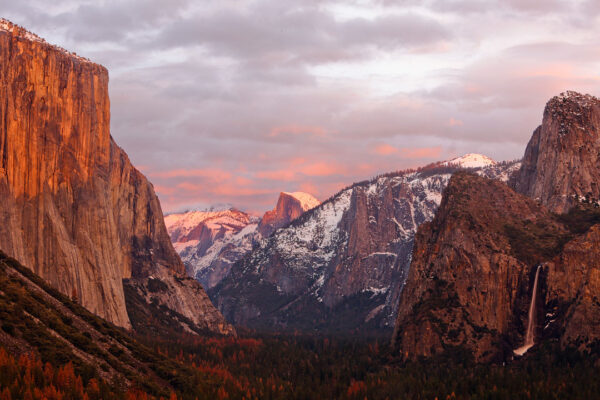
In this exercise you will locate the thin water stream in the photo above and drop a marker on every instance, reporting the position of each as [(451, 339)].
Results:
[(529, 335)]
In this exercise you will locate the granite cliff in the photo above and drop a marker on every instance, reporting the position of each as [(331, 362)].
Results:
[(473, 272), (289, 207), (561, 164), (74, 209)]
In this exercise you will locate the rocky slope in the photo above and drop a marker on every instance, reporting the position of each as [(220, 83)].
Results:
[(60, 331), (209, 242), (562, 160), (472, 277), (74, 209), (340, 266)]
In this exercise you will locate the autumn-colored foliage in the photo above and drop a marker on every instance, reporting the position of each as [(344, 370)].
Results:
[(27, 377)]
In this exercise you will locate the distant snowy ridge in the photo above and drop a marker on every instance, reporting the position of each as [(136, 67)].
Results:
[(306, 200), (471, 160), (210, 241)]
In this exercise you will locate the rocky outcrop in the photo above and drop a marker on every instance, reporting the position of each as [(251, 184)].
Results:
[(468, 287), (74, 209), (472, 276), (562, 160), (289, 207), (340, 266), (572, 302)]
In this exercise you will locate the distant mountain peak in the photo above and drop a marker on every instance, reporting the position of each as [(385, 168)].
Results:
[(307, 200), (471, 160), (289, 207)]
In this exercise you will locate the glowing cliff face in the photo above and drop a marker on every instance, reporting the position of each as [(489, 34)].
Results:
[(236, 101)]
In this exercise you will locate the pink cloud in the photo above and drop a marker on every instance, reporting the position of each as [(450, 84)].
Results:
[(240, 180), (212, 173), (164, 190), (385, 150), (309, 187), (423, 152), (280, 175), (455, 122), (321, 169)]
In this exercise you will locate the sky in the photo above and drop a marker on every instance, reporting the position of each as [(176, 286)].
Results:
[(232, 102)]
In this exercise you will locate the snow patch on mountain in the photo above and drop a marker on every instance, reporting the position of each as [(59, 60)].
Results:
[(471, 160), (307, 201)]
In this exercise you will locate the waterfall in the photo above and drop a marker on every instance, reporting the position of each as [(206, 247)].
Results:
[(529, 336)]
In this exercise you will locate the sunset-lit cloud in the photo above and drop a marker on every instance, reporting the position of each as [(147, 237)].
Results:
[(215, 174), (455, 122), (385, 150), (235, 101), (422, 153)]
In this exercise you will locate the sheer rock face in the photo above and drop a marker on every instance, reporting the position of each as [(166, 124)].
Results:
[(74, 209), (465, 286), (472, 275), (473, 266), (562, 160), (289, 207), (572, 302)]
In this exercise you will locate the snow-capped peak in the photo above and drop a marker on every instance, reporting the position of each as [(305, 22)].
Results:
[(307, 201), (185, 222), (471, 160)]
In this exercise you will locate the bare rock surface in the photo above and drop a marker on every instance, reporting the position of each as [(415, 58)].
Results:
[(74, 209), (561, 165)]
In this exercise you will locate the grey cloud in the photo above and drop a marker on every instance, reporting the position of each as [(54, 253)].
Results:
[(204, 85), (300, 35)]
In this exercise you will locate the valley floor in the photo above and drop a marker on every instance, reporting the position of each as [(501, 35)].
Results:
[(52, 348), (299, 367), (294, 367)]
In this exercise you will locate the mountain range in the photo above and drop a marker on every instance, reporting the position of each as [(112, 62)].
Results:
[(338, 266), (480, 260), (209, 242)]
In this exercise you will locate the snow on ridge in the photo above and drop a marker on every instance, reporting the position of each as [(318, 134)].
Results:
[(242, 240), (585, 100), (328, 216), (214, 220), (321, 228), (307, 200), (471, 160)]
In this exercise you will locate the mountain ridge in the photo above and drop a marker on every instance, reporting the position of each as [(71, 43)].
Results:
[(343, 261), (474, 266)]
